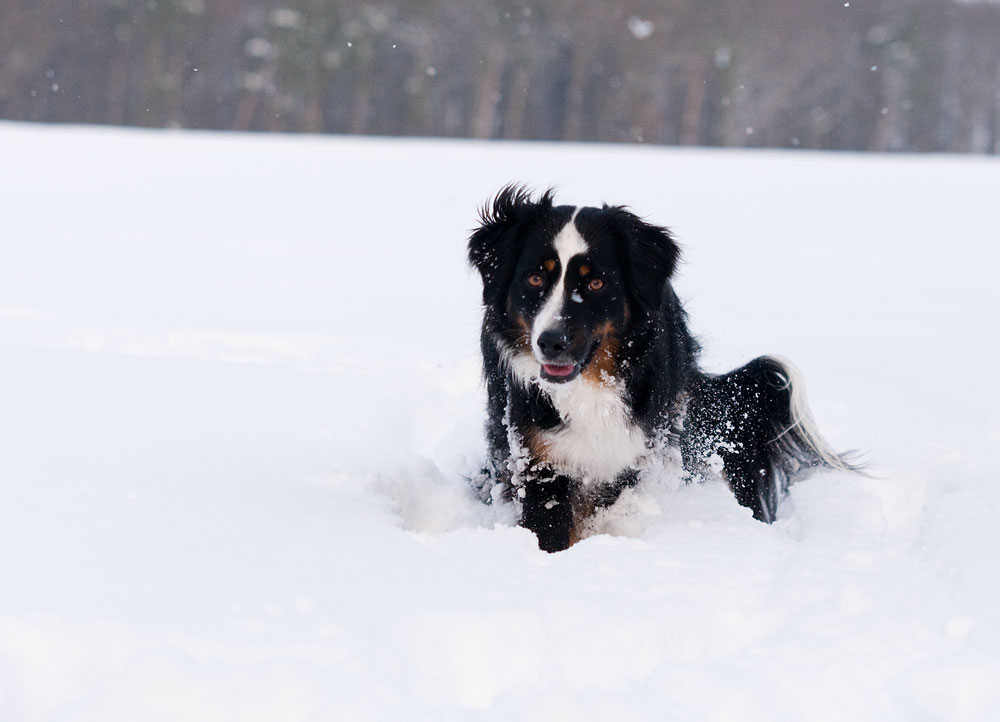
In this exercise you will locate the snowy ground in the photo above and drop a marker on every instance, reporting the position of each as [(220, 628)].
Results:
[(239, 390)]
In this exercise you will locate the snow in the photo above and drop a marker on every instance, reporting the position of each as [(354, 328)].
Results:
[(640, 29), (239, 393)]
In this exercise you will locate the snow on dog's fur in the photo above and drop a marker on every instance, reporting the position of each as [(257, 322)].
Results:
[(591, 370)]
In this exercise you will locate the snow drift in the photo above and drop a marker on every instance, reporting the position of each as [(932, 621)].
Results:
[(240, 394)]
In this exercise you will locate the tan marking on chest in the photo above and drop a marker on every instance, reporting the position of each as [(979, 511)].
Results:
[(538, 447)]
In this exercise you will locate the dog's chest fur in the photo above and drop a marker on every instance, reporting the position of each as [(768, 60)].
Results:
[(597, 438)]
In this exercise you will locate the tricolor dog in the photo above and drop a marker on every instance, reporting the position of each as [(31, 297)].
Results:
[(591, 372)]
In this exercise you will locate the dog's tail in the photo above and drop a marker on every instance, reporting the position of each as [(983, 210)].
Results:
[(757, 422), (796, 433)]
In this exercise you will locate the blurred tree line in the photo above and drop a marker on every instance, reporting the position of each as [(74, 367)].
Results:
[(920, 75)]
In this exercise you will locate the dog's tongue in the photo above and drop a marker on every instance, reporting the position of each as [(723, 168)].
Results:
[(553, 370)]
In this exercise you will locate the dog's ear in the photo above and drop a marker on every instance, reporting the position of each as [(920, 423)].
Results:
[(495, 245), (649, 257)]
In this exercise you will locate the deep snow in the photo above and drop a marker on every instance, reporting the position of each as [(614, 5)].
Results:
[(239, 391)]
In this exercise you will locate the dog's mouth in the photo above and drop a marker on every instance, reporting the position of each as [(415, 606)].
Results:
[(559, 373)]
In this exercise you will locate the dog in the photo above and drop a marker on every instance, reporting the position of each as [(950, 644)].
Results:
[(592, 375)]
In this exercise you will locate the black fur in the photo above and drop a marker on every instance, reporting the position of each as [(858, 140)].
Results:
[(618, 311)]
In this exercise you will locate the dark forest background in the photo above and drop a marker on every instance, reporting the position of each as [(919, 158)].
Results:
[(913, 75)]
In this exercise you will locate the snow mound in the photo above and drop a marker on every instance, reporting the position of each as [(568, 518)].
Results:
[(240, 399)]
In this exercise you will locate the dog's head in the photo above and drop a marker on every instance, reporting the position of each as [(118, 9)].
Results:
[(563, 286)]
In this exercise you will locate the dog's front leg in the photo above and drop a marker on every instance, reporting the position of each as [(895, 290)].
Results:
[(546, 509)]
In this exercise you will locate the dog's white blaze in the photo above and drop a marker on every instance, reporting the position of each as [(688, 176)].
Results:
[(597, 439), (568, 243)]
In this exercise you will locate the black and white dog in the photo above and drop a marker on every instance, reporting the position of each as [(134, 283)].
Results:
[(591, 372)]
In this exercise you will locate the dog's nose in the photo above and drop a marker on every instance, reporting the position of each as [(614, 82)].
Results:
[(553, 343)]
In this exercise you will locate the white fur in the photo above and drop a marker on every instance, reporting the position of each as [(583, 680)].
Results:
[(522, 365), (802, 419), (597, 439), (568, 244)]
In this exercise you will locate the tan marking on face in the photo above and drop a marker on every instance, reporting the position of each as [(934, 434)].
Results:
[(549, 265), (605, 361), (522, 323), (584, 270), (523, 341)]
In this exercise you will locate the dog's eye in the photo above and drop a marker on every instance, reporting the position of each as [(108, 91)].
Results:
[(595, 284), (535, 280)]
